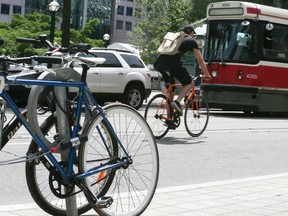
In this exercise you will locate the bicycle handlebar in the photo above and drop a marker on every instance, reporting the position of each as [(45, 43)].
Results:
[(39, 42), (197, 77), (28, 60), (48, 59), (42, 41)]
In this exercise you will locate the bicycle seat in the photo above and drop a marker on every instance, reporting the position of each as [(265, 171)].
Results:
[(92, 60)]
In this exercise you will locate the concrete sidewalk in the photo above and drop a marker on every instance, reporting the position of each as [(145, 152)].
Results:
[(258, 196)]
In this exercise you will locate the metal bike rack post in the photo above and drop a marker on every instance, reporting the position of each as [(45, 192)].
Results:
[(64, 133)]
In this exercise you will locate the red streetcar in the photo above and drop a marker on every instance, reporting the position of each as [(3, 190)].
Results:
[(247, 55)]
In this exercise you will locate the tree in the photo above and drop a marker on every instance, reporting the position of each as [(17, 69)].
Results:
[(160, 17), (32, 25), (85, 34), (170, 15), (29, 26)]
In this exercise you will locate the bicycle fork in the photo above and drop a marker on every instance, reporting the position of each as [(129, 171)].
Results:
[(193, 101)]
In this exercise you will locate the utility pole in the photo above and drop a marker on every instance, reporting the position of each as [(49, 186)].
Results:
[(84, 18), (113, 21), (66, 23)]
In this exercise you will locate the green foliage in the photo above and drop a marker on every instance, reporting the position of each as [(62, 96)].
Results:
[(35, 22), (83, 36), (32, 25), (161, 16)]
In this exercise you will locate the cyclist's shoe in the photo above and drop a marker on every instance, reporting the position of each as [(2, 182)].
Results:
[(176, 106), (170, 124)]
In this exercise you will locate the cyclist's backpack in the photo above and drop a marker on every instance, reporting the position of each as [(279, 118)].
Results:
[(171, 43)]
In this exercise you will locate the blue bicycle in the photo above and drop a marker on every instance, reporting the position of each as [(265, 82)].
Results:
[(113, 158)]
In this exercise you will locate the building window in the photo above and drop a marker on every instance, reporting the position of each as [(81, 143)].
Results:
[(119, 24), (128, 26), (120, 10), (130, 0), (17, 9), (129, 11), (5, 8)]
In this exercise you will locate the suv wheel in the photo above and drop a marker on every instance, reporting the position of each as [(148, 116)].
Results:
[(133, 96)]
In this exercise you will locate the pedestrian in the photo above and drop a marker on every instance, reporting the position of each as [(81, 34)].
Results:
[(173, 65)]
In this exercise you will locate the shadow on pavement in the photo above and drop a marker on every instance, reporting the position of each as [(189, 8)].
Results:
[(169, 140)]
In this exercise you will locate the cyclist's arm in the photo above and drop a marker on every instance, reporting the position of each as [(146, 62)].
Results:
[(202, 64)]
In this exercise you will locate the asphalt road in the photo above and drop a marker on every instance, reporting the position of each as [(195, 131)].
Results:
[(233, 146)]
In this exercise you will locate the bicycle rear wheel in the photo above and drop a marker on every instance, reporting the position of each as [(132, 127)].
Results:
[(133, 186), (37, 178), (196, 116), (156, 114)]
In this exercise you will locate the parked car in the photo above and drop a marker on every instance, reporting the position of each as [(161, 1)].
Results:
[(122, 77)]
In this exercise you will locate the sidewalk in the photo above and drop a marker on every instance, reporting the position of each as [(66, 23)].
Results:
[(258, 196)]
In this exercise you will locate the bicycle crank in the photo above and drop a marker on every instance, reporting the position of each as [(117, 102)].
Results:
[(176, 120), (57, 186)]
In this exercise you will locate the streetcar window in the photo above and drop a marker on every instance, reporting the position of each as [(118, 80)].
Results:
[(275, 42), (232, 40), (246, 41)]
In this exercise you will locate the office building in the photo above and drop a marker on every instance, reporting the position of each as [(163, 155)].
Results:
[(117, 17), (10, 7), (124, 14)]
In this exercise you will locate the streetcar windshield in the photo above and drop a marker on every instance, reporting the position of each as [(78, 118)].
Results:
[(232, 40)]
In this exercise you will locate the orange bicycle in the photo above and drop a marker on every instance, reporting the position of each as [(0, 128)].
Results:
[(161, 117)]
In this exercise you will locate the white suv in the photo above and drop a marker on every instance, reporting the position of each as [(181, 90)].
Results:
[(122, 77)]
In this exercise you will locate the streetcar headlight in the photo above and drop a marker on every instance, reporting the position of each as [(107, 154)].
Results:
[(240, 75), (214, 73)]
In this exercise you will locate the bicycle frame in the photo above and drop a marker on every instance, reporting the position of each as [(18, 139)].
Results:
[(10, 129), (170, 95), (84, 93), (162, 117)]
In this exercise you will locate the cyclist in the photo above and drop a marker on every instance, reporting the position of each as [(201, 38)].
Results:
[(173, 65)]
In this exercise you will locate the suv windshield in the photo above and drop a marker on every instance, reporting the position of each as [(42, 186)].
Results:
[(232, 40), (133, 61)]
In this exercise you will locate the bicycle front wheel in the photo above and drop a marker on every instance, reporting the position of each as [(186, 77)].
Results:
[(196, 116), (133, 185), (156, 115)]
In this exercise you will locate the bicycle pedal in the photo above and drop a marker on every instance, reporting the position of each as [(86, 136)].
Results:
[(172, 127), (104, 202)]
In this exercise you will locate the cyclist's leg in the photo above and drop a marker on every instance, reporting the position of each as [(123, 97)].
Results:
[(196, 116), (39, 178), (157, 114), (182, 75), (133, 185)]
